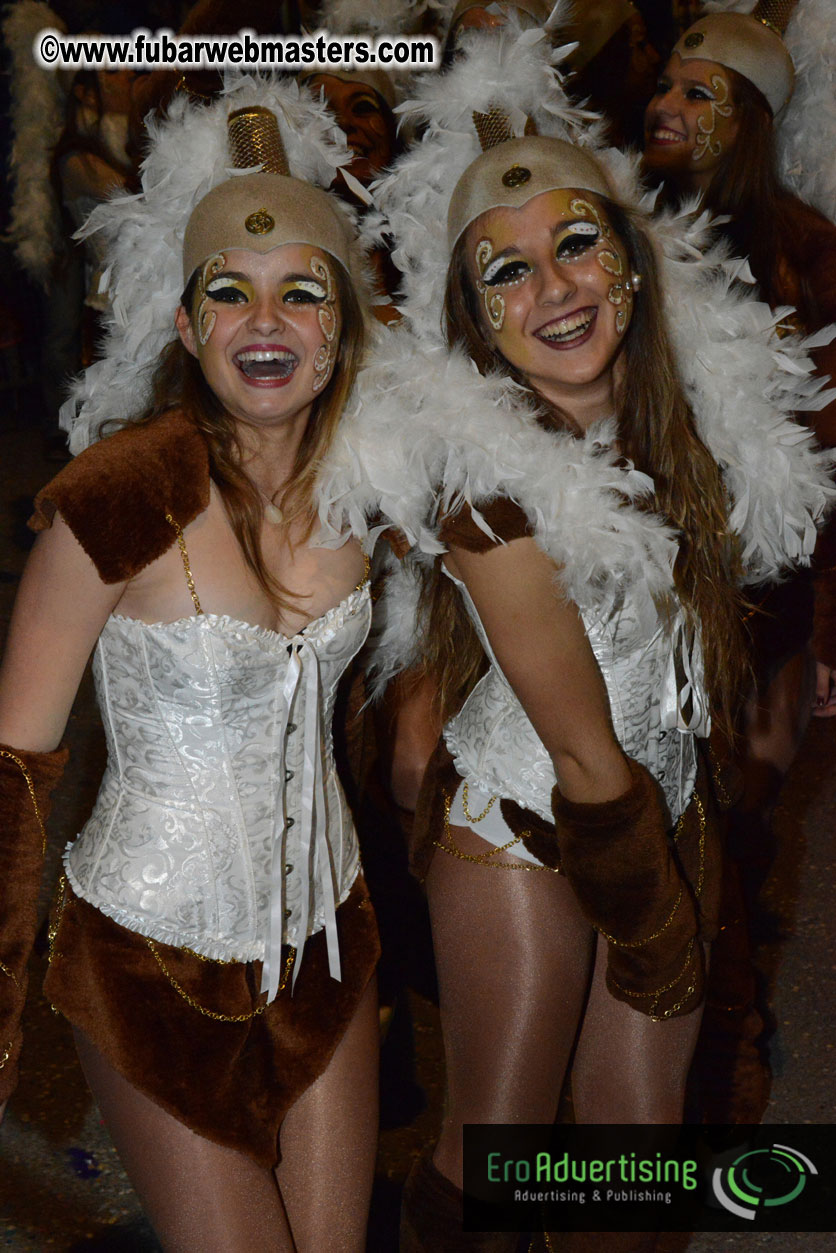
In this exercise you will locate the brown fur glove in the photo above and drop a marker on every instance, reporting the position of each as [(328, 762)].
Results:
[(619, 861), (26, 781)]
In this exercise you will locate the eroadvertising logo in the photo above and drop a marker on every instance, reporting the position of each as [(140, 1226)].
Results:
[(758, 1177), (625, 1178)]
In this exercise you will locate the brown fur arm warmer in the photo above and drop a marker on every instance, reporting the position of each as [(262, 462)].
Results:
[(618, 859), (26, 782)]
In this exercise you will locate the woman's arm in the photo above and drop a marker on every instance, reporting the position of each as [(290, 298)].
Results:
[(61, 607), (610, 827), (541, 646)]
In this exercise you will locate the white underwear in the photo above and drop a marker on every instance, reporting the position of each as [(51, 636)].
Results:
[(493, 828)]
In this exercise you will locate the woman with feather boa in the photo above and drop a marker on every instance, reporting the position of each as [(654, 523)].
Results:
[(584, 504)]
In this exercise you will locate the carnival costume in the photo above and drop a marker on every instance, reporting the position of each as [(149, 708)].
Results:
[(214, 935), (475, 441), (480, 468)]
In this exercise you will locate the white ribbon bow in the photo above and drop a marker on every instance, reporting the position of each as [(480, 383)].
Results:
[(315, 850)]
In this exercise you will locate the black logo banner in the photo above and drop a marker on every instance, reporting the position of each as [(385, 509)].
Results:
[(650, 1178)]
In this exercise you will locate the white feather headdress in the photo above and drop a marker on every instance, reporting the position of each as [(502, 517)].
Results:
[(188, 156), (438, 423), (38, 101)]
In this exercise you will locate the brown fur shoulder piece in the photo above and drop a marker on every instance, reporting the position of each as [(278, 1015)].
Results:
[(115, 495), (505, 517)]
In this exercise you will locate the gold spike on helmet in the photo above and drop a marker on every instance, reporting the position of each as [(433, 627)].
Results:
[(262, 211)]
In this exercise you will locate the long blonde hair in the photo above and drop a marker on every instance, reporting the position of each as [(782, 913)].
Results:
[(657, 432)]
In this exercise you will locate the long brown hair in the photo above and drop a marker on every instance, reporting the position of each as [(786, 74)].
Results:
[(764, 214), (657, 432), (178, 382)]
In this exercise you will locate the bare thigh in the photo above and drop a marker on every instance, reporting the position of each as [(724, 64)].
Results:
[(514, 955), (628, 1068)]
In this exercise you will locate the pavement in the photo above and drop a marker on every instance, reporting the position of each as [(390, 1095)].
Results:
[(61, 1184)]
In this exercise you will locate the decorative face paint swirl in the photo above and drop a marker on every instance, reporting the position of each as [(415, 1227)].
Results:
[(494, 300), (205, 316), (619, 294), (718, 107), (329, 325)]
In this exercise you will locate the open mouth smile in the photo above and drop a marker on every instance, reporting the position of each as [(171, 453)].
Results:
[(570, 331), (268, 366), (665, 135)]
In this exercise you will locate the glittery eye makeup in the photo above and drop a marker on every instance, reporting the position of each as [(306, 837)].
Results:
[(576, 240), (501, 272), (230, 289), (303, 291), (619, 293)]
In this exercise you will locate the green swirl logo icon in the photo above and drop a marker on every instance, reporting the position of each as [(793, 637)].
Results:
[(761, 1177)]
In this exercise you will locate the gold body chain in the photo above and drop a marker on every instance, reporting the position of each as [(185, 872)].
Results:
[(484, 859), (468, 815), (212, 1013), (178, 987), (689, 992), (181, 543), (4, 752)]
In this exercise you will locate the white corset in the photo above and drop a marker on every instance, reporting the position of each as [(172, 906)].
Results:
[(651, 680), (220, 824)]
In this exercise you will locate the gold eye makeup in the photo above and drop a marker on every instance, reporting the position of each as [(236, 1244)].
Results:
[(575, 241), (619, 293), (303, 291), (230, 289)]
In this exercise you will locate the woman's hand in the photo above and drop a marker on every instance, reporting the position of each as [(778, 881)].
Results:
[(540, 642), (825, 702)]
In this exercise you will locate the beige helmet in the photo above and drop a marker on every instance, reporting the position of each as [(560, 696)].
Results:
[(750, 45), (265, 210), (514, 171)]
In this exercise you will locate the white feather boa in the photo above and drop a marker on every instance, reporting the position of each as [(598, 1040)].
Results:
[(37, 120), (187, 158), (429, 431)]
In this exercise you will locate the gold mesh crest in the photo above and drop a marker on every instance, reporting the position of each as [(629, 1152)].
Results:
[(254, 140), (493, 127), (774, 13)]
